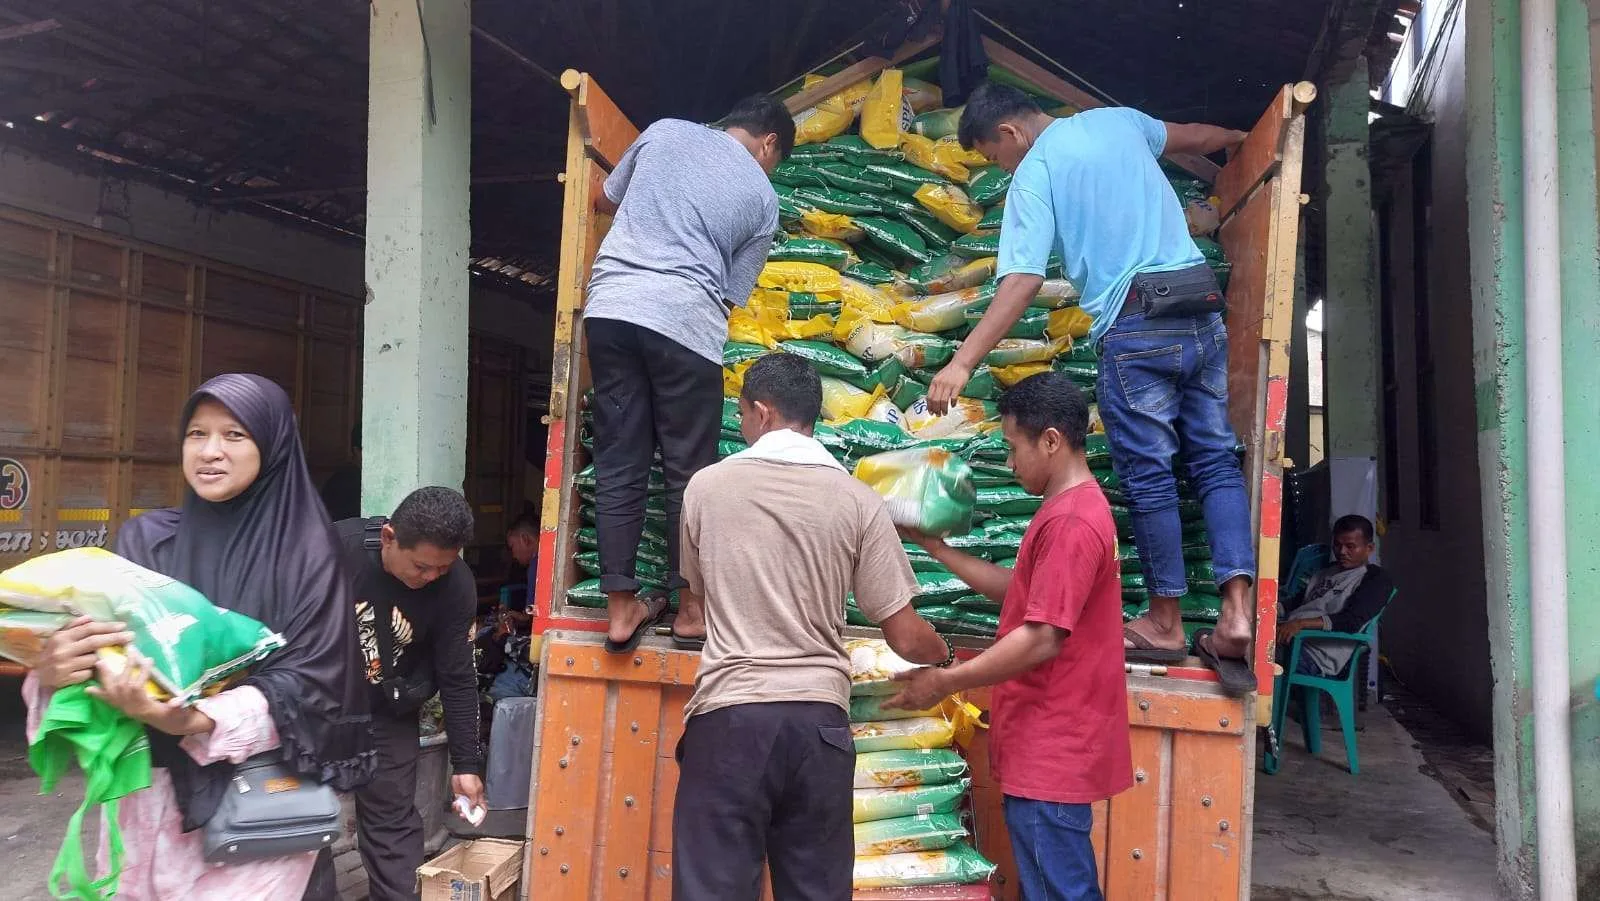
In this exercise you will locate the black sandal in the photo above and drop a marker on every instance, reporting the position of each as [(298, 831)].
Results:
[(1233, 672), (655, 606)]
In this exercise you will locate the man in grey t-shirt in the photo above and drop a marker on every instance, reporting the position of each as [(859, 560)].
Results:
[(695, 216)]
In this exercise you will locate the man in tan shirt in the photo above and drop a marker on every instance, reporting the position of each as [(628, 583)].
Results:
[(774, 538)]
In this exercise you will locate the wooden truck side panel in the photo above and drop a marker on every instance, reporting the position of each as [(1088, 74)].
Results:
[(1182, 831)]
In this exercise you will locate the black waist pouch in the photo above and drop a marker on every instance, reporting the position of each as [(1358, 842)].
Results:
[(1186, 292)]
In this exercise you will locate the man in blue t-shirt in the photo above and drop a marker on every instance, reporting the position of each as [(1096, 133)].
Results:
[(1090, 188)]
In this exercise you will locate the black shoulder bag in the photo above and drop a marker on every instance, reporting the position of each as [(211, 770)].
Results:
[(400, 696), (1187, 292)]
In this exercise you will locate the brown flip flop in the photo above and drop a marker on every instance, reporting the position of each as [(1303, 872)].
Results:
[(1144, 650)]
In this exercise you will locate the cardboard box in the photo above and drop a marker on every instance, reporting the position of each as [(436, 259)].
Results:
[(487, 869)]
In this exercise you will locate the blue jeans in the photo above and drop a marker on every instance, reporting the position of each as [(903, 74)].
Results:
[(1163, 392), (1055, 856)]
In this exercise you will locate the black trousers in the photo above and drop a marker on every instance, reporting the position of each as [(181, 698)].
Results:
[(388, 826), (649, 392), (764, 782)]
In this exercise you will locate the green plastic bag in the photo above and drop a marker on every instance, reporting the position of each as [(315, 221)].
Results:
[(926, 489), (831, 200), (900, 769), (959, 864), (988, 185), (191, 643), (832, 254), (113, 751), (1012, 500), (897, 203), (895, 238), (734, 353), (933, 832), (870, 804), (993, 218), (977, 245), (855, 179), (826, 358)]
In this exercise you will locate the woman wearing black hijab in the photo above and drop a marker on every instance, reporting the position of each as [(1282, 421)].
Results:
[(252, 536)]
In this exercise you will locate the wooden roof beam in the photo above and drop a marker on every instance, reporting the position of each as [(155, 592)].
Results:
[(1047, 82)]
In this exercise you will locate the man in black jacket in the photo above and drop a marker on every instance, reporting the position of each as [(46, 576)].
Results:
[(1341, 598), (415, 601)]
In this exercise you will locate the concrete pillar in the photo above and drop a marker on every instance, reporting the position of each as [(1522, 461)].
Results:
[(1494, 179), (414, 361), (1353, 389)]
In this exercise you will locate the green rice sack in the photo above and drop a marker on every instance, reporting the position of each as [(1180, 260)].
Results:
[(933, 832), (867, 272), (1012, 500), (828, 359), (900, 769), (959, 864), (865, 437), (927, 489), (847, 177), (988, 185), (191, 643), (734, 353), (976, 245), (895, 238), (993, 218), (858, 152), (935, 233), (825, 251), (792, 174), (870, 709), (831, 200), (870, 804), (906, 178), (811, 154)]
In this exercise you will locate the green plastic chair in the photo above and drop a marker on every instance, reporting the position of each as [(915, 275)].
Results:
[(1341, 688)]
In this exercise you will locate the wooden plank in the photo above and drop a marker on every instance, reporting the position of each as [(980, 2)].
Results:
[(569, 774), (660, 888), (1258, 156), (607, 133), (856, 73), (1160, 707), (1049, 83), (628, 801), (654, 662), (1246, 239), (1099, 838), (1135, 859), (1208, 817)]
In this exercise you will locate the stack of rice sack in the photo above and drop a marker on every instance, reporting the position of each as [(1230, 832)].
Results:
[(884, 262), (910, 827)]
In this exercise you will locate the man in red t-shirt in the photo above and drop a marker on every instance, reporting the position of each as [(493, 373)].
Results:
[(1058, 740)]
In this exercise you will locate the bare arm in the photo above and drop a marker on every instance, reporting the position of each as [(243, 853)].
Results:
[(910, 636), (1011, 300), (1023, 649), (1201, 139), (988, 579)]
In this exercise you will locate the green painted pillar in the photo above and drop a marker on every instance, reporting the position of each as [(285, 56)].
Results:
[(1494, 178), (414, 357), (1353, 387)]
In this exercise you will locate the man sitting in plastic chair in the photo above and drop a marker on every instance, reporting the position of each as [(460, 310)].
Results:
[(1339, 598)]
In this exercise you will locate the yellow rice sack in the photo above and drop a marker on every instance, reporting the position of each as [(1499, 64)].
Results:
[(863, 300), (1069, 323), (810, 278), (941, 312), (837, 226), (1010, 375), (903, 735), (881, 112), (951, 205), (830, 118), (959, 864), (872, 804), (842, 401)]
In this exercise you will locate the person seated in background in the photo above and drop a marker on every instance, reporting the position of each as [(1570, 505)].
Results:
[(1340, 598)]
